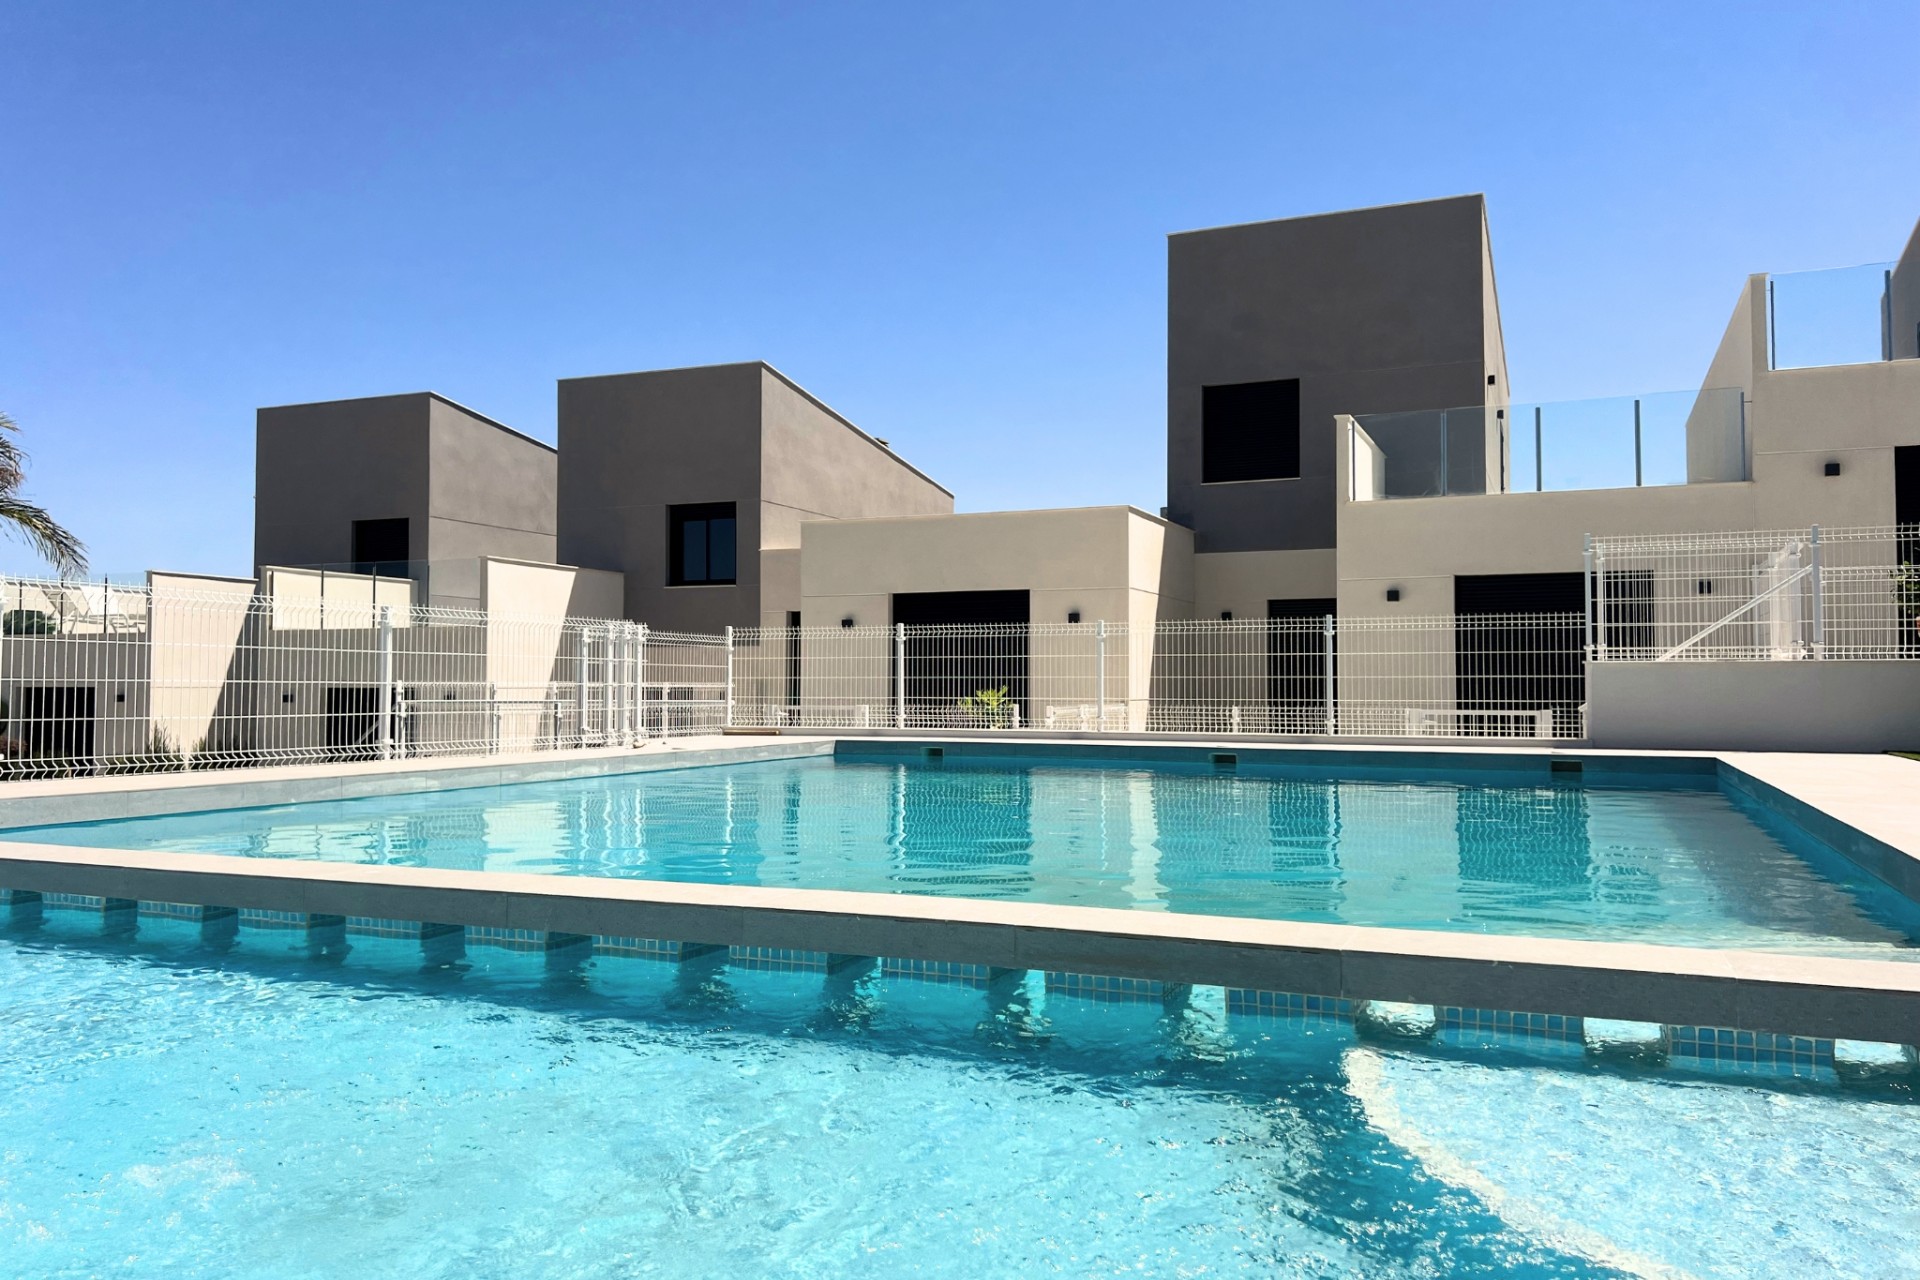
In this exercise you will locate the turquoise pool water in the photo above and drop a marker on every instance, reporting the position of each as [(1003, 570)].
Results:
[(1665, 863), (170, 1107)]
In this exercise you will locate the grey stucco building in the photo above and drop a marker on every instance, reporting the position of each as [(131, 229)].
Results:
[(694, 483), (390, 484), (1275, 327)]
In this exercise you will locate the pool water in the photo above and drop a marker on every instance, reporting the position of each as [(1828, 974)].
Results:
[(174, 1107), (1682, 864)]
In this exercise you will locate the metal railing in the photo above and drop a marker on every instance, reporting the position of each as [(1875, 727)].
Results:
[(1757, 595), (220, 675), (1657, 438), (167, 677), (1510, 676)]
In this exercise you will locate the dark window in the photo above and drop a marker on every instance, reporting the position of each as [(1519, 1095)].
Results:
[(946, 668), (381, 546), (1250, 431), (1629, 610), (793, 661), (55, 721), (1297, 664), (702, 543), (1906, 484), (353, 722), (1906, 514), (1518, 648)]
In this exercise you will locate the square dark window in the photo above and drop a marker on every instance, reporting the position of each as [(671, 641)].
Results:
[(701, 544), (381, 546), (1250, 431)]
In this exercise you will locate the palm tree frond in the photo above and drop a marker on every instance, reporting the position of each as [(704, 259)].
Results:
[(13, 459), (47, 536)]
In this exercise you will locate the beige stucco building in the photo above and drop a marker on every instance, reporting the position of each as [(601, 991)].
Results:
[(1342, 442)]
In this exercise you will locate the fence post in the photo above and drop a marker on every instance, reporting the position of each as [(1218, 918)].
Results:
[(1636, 443), (728, 722), (493, 719), (899, 675), (384, 675), (1600, 605), (1326, 661), (1100, 675), (580, 685), (1539, 463), (1586, 594), (640, 679), (610, 684), (629, 696), (1819, 608)]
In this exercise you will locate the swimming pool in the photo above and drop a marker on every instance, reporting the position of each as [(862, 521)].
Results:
[(246, 1110), (1671, 858)]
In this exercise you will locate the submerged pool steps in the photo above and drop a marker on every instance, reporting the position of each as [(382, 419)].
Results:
[(1196, 1016)]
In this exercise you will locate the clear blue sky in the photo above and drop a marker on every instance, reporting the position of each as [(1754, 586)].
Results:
[(946, 221)]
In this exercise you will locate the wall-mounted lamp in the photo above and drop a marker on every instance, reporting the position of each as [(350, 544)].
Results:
[(286, 697), (1393, 595), (1226, 615), (1833, 468), (1704, 586), (120, 695), (846, 622), (1490, 378), (1073, 615)]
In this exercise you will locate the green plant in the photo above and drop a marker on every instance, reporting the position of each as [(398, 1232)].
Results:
[(1906, 589), (28, 622), (990, 707)]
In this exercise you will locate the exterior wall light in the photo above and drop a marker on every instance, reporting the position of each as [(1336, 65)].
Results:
[(1704, 586), (1226, 615), (286, 697), (1073, 615), (1833, 468), (1393, 595), (846, 622)]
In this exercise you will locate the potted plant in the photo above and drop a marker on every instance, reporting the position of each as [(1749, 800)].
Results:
[(989, 707), (1906, 593)]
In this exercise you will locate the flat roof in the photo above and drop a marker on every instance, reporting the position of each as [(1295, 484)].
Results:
[(1479, 196), (811, 398), (449, 401), (1020, 511)]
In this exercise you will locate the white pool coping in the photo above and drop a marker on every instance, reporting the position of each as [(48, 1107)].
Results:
[(1792, 994), (1875, 798)]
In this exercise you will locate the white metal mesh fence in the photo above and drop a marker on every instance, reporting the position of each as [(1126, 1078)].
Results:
[(221, 676), (1759, 595), (1513, 676), (154, 679)]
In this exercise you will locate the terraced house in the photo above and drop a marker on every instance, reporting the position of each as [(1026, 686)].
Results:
[(1365, 535)]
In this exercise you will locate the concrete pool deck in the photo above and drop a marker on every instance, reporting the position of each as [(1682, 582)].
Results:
[(1788, 994), (1868, 806)]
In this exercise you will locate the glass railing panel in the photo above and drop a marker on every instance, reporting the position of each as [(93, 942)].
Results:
[(1618, 442), (1836, 316)]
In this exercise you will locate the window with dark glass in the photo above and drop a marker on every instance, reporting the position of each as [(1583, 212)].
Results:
[(701, 544), (1250, 431), (381, 546)]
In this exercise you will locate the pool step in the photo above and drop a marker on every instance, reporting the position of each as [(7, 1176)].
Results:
[(1196, 1018)]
